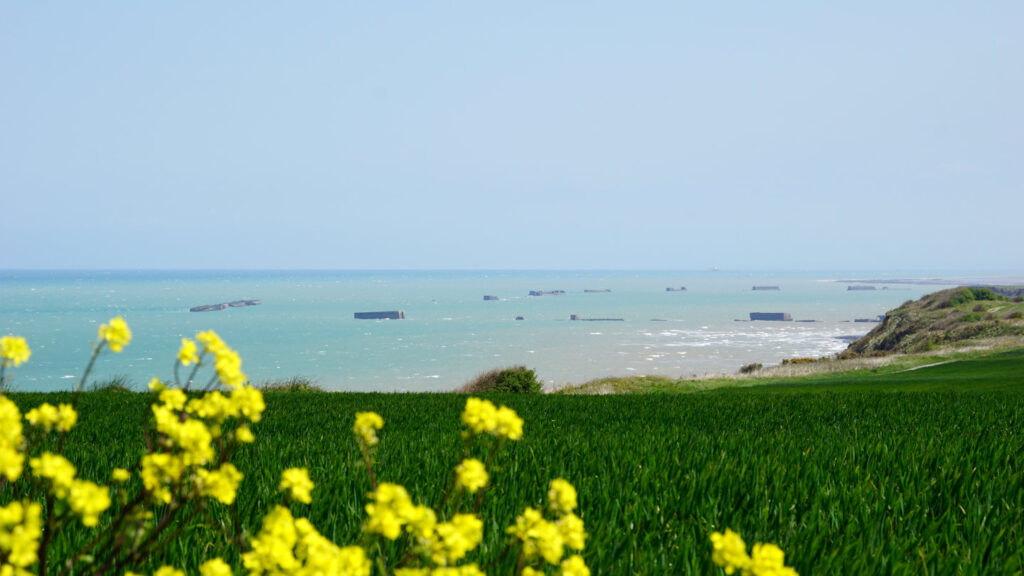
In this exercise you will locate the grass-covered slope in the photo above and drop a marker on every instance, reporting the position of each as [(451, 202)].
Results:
[(992, 372), (945, 318)]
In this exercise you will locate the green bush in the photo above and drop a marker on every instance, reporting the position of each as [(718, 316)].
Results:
[(515, 380), (959, 297), (983, 294)]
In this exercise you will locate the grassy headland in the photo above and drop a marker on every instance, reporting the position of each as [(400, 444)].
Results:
[(950, 326)]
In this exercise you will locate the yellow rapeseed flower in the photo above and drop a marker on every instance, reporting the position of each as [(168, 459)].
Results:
[(229, 368), (159, 472), (561, 496), (88, 500), (21, 528), (221, 484), (575, 566), (120, 475), (390, 509), (570, 526), (272, 550), (14, 351), (11, 439), (538, 536), (768, 560), (188, 354), (456, 538), (173, 398), (213, 406), (11, 463), (729, 551), (244, 435), (321, 556), (297, 483), (481, 416), (116, 334), (471, 475), (55, 468), (168, 571), (211, 342), (510, 425), (43, 416), (48, 417), (192, 436), (10, 423), (366, 426), (249, 402), (286, 545), (66, 417), (215, 567)]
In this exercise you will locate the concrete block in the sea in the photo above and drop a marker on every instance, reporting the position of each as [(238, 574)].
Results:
[(225, 305), (773, 316), (382, 315)]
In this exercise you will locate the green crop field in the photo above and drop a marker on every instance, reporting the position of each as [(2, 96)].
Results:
[(918, 472)]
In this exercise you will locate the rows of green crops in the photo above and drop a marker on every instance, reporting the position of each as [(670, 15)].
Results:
[(854, 482)]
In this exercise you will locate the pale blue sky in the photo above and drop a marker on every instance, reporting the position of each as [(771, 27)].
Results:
[(675, 135)]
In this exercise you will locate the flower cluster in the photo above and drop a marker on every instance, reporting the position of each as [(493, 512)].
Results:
[(546, 539), (86, 499), (365, 428), (116, 334), (435, 544), (391, 509), (730, 552), (14, 351), (392, 513), (289, 545), (48, 417), (11, 440), (21, 522), (471, 475), (21, 527), (296, 482), (481, 416), (189, 428), (226, 361)]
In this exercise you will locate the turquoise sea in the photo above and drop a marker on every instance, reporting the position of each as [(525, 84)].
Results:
[(304, 325)]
